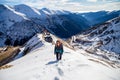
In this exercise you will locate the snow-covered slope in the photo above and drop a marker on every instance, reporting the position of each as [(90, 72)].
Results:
[(102, 40), (41, 64), (28, 11), (8, 15)]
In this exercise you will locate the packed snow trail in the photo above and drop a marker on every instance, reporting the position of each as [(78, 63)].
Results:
[(41, 64)]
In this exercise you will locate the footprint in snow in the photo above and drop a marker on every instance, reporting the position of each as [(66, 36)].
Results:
[(82, 65), (56, 78), (60, 71)]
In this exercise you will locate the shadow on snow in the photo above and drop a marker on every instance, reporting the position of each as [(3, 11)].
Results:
[(52, 62)]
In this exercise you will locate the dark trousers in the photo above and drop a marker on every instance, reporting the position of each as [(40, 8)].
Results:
[(58, 56)]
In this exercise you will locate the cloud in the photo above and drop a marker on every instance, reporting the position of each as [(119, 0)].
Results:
[(71, 5), (76, 6), (92, 0)]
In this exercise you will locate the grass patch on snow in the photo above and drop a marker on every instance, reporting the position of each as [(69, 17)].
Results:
[(8, 54)]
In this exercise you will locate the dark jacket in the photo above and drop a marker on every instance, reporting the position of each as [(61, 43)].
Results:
[(58, 49)]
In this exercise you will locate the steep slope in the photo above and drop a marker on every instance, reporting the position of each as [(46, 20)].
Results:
[(40, 64), (65, 26), (102, 40), (15, 27), (8, 17), (28, 11)]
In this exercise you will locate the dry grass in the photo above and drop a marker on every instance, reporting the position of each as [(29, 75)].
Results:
[(98, 62), (103, 61), (9, 53), (5, 66)]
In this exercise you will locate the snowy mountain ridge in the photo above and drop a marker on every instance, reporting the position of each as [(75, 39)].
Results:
[(20, 22), (28, 11), (9, 15), (102, 40), (17, 21)]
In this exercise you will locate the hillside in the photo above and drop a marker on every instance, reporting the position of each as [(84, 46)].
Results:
[(102, 40), (40, 64)]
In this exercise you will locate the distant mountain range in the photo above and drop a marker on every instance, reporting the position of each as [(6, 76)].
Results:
[(20, 22), (99, 17)]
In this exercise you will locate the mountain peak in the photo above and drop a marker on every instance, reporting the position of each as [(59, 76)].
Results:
[(22, 5), (27, 10), (46, 9)]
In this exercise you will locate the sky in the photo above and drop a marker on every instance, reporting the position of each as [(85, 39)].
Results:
[(70, 5)]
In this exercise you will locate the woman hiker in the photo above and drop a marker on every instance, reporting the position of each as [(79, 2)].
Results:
[(58, 50)]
